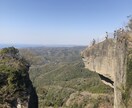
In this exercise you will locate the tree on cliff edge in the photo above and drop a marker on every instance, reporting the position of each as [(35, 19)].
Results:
[(130, 22)]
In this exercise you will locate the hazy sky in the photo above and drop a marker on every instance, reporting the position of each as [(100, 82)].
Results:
[(73, 22)]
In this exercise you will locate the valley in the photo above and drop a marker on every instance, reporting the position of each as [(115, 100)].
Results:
[(61, 80)]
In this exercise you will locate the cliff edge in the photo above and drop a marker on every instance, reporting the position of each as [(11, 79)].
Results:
[(101, 59), (16, 89), (112, 60)]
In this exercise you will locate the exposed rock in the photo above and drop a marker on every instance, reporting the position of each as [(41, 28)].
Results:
[(16, 89), (101, 58), (112, 59)]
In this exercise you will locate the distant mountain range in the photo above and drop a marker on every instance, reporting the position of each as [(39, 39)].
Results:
[(33, 45), (18, 45)]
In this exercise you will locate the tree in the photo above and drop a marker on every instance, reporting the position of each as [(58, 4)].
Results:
[(129, 22), (9, 50)]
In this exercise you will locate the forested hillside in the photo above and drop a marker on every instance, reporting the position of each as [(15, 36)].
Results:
[(62, 81)]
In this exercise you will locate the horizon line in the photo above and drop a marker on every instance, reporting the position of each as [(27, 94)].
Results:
[(39, 45)]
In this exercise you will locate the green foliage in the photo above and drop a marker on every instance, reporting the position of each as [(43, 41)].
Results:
[(59, 72), (129, 72), (13, 75), (5, 68), (127, 90), (130, 24), (10, 50)]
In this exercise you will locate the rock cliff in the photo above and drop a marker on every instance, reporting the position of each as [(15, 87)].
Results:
[(101, 59), (112, 60), (16, 89)]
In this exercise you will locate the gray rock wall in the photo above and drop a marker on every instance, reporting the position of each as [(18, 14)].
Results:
[(112, 60), (101, 59)]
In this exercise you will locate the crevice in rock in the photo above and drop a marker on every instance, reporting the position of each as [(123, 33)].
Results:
[(106, 79)]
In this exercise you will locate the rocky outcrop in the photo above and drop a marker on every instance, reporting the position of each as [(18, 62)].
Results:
[(16, 89), (101, 59), (112, 60)]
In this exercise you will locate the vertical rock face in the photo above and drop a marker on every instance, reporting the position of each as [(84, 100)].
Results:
[(123, 73), (112, 60), (101, 59), (16, 89)]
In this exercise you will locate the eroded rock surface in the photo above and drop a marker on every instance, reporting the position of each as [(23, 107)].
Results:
[(101, 59), (112, 60)]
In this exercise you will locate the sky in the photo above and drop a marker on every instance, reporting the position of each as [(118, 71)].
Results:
[(60, 22)]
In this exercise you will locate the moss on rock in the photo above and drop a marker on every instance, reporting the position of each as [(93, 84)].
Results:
[(14, 79)]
